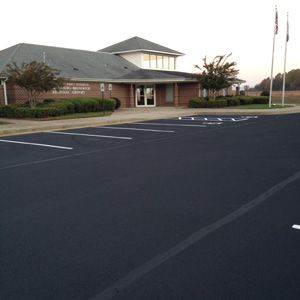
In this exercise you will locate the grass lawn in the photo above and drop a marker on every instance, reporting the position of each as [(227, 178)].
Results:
[(4, 123), (75, 116), (258, 106)]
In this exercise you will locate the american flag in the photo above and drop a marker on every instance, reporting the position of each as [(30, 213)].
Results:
[(276, 23)]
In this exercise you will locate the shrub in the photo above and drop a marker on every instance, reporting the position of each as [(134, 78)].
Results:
[(233, 101), (44, 112), (197, 102), (66, 107), (245, 100), (48, 100), (217, 103), (118, 102), (8, 111), (27, 104), (261, 100), (78, 105), (265, 93), (91, 104), (109, 104)]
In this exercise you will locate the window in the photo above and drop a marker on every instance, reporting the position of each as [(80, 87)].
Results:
[(153, 61), (159, 61), (169, 93), (166, 62), (172, 63), (146, 61)]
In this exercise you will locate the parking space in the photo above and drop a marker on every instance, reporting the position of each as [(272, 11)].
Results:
[(52, 144), (136, 205)]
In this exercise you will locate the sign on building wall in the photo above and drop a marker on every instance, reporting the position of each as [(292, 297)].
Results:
[(71, 88)]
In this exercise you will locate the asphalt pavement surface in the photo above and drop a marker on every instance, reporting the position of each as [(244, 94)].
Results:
[(199, 207)]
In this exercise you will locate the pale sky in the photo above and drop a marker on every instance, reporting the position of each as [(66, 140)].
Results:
[(194, 27)]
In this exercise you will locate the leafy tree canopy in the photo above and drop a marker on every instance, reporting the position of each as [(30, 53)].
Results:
[(216, 75), (35, 78), (292, 82)]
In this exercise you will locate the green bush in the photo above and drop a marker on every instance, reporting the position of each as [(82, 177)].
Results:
[(245, 100), (265, 93), (118, 102), (109, 104), (197, 103), (65, 107), (27, 104), (233, 101), (48, 100), (261, 100), (51, 108), (91, 104), (8, 111), (78, 105), (44, 112), (217, 103)]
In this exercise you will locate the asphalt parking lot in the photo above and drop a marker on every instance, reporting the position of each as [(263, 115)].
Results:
[(199, 207), (100, 138)]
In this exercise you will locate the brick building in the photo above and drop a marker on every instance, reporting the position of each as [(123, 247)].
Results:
[(138, 72)]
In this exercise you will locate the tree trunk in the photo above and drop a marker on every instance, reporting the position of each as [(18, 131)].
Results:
[(211, 95)]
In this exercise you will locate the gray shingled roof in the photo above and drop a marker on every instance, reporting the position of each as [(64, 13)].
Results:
[(81, 64), (156, 75), (138, 44), (72, 63)]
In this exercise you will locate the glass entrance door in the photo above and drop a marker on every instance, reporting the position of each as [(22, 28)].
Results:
[(145, 95)]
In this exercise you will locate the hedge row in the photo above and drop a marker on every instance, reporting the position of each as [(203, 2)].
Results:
[(51, 108), (227, 101)]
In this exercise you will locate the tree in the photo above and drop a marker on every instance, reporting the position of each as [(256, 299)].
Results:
[(35, 78), (277, 82), (216, 75), (293, 79), (292, 82)]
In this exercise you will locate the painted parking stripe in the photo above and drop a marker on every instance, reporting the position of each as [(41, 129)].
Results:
[(35, 144), (165, 124), (92, 135), (213, 119), (140, 129), (296, 226), (212, 123)]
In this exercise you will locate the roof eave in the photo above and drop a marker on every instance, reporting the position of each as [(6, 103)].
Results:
[(133, 81), (145, 50)]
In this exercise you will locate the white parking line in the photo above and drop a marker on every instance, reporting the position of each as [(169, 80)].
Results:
[(212, 123), (296, 226), (165, 124), (140, 129), (93, 135), (34, 144), (213, 119)]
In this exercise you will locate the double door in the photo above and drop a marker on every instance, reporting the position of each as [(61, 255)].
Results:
[(145, 95)]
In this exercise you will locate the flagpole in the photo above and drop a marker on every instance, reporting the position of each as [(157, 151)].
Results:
[(275, 32), (286, 40)]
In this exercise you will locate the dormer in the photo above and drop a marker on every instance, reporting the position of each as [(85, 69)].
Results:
[(145, 54)]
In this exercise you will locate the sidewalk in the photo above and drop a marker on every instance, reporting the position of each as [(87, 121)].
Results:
[(127, 115)]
